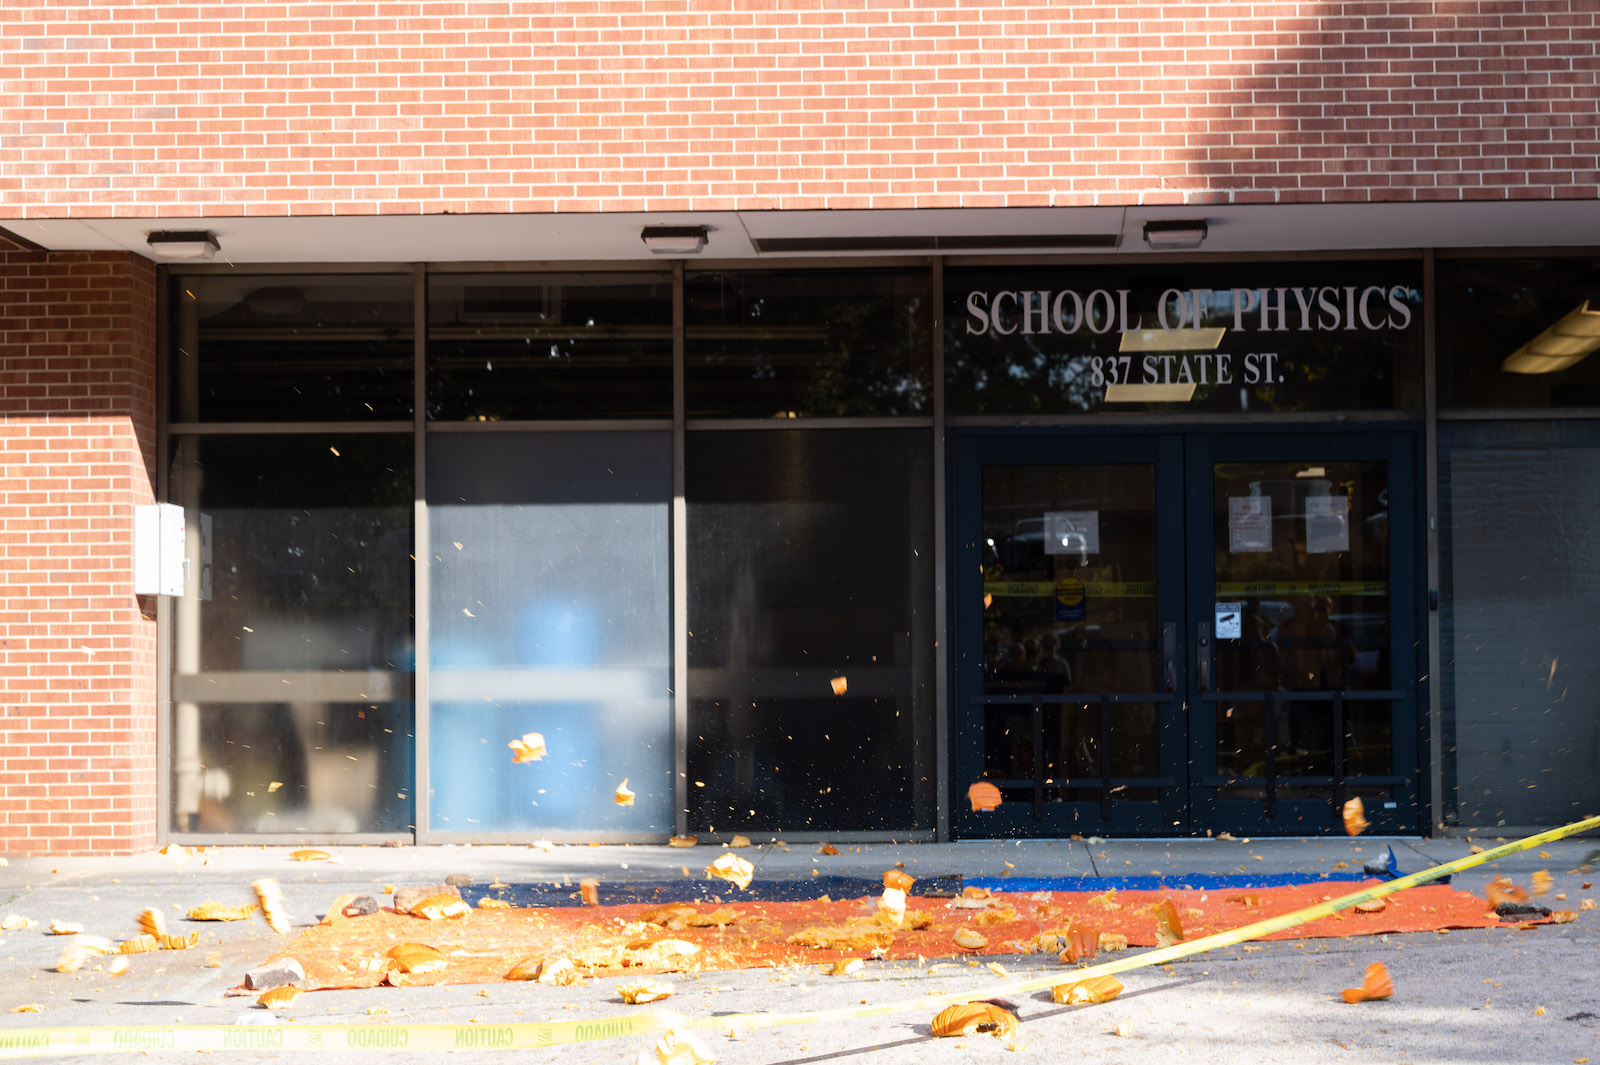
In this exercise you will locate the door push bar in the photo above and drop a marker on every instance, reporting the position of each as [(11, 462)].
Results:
[(1202, 650)]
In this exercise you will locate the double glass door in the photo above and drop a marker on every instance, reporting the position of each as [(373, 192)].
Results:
[(1181, 633)]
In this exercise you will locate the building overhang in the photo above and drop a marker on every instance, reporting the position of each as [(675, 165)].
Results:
[(765, 234)]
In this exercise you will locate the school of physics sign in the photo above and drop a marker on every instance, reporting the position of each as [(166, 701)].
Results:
[(1174, 342)]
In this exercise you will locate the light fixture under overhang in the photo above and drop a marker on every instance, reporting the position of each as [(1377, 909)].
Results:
[(1562, 345), (1172, 339), (1136, 393), (674, 240), (1175, 233), (183, 243)]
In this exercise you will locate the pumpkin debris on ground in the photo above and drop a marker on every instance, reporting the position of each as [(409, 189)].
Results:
[(614, 940)]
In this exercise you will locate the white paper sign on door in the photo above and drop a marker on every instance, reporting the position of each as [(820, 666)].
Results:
[(1072, 532), (1249, 524), (1327, 524)]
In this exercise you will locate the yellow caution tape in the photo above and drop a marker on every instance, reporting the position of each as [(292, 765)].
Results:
[(1090, 589), (52, 1042)]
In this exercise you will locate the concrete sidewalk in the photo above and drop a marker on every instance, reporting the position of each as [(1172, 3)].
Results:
[(1466, 996)]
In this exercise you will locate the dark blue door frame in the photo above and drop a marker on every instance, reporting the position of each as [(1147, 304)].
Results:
[(1193, 798)]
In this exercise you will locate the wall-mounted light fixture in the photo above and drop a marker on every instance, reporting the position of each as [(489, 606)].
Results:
[(1562, 345), (1175, 233), (183, 243), (674, 240)]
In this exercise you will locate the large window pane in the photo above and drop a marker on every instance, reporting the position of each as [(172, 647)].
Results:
[(292, 348), (1493, 314), (293, 649), (807, 343), (549, 346), (550, 613), (810, 558), (1520, 561)]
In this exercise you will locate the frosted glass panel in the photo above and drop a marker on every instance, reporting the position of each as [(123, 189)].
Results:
[(550, 600), (1521, 555)]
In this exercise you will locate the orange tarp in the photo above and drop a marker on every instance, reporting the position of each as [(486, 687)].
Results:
[(609, 940)]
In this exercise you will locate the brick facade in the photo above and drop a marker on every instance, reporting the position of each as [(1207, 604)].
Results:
[(77, 451), (142, 109)]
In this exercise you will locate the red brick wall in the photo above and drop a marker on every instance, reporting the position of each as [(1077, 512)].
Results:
[(77, 451), (140, 108)]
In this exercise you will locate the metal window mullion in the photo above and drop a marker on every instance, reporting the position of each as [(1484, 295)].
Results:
[(1430, 473), (680, 567), (941, 608), (421, 585)]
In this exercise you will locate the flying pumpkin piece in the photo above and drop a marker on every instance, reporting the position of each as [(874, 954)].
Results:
[(63, 928), (637, 994), (81, 950), (828, 848), (1501, 889), (559, 971), (270, 895), (896, 879), (739, 841), (847, 966), (1542, 882), (892, 906), (139, 945), (840, 685), (487, 903), (170, 942), (676, 1048), (1082, 941), (32, 1007), (1376, 985), (279, 998), (1585, 904), (310, 856), (1169, 929), (732, 868), (1563, 916), (527, 748), (983, 796), (274, 786), (15, 922), (151, 922), (1355, 817), (683, 841), (117, 966), (1087, 992), (971, 1018), (216, 911), (416, 958), (440, 907), (1111, 942), (967, 939), (1372, 906), (589, 888)]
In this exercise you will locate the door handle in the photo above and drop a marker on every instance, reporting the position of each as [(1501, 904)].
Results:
[(1169, 654), (1202, 651)]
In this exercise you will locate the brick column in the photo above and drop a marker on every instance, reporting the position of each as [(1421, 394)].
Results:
[(77, 451)]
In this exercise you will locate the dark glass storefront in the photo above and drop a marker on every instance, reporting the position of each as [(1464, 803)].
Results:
[(712, 532)]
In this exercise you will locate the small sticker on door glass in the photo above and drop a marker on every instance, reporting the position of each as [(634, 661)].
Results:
[(1249, 524), (1230, 623)]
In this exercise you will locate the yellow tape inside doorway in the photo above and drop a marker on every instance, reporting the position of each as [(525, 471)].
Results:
[(332, 1038)]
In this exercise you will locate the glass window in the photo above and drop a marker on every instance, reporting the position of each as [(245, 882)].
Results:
[(810, 559), (1520, 608), (807, 343), (1496, 348), (292, 650), (292, 349), (549, 346), (1215, 337), (550, 613)]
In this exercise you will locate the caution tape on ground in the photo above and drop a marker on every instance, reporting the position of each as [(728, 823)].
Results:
[(331, 1038)]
